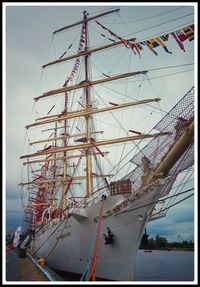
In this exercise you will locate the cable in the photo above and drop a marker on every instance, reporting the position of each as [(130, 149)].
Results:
[(159, 200), (48, 236), (170, 67), (176, 203), (123, 159), (150, 17), (165, 31), (158, 25)]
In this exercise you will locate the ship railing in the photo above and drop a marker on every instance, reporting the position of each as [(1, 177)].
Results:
[(92, 200), (96, 197)]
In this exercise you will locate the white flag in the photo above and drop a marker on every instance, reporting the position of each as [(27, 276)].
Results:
[(16, 239)]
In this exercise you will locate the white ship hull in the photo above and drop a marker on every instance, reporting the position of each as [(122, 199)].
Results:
[(115, 261)]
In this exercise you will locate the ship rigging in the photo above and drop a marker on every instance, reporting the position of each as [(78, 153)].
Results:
[(67, 174)]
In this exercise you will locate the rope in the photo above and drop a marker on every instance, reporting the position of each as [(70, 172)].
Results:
[(89, 274), (146, 18), (43, 269), (158, 25), (58, 239), (160, 200), (48, 237), (85, 274)]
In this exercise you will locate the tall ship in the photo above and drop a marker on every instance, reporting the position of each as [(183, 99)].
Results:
[(93, 178)]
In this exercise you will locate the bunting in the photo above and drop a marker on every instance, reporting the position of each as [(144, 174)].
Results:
[(178, 41), (192, 27), (136, 47), (66, 51), (189, 33), (145, 43), (181, 35), (163, 45), (152, 43), (112, 40), (186, 33), (165, 37), (77, 61), (125, 42), (50, 110)]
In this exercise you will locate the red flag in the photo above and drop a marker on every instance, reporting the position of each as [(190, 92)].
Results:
[(181, 35), (178, 41), (192, 27)]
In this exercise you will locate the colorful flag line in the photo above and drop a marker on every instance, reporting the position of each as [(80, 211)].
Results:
[(77, 62), (179, 35)]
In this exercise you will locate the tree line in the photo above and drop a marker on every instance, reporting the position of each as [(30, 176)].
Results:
[(159, 242)]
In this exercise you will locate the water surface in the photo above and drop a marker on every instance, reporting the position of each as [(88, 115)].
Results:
[(161, 265)]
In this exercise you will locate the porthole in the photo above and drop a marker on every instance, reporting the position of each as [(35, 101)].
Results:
[(140, 217)]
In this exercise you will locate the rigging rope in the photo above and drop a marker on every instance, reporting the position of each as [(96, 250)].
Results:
[(158, 25), (89, 274), (160, 200), (58, 239), (47, 237), (176, 193), (150, 17), (120, 161), (121, 120)]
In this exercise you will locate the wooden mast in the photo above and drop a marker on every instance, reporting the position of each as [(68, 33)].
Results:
[(86, 112), (64, 202), (88, 108), (62, 158), (61, 138), (85, 84), (88, 146), (86, 20), (89, 51), (176, 150), (54, 166), (67, 179), (100, 110), (99, 143)]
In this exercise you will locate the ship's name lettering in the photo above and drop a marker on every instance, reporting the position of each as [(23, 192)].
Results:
[(128, 201), (64, 235), (68, 226)]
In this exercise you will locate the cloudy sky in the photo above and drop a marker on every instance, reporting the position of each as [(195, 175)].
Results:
[(27, 46)]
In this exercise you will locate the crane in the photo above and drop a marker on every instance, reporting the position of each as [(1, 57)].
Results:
[(180, 237)]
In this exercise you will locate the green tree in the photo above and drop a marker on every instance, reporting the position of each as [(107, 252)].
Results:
[(152, 243), (161, 242)]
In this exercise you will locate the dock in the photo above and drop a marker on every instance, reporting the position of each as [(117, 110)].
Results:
[(28, 269)]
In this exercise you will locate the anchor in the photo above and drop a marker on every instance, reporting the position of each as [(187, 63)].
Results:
[(109, 237)]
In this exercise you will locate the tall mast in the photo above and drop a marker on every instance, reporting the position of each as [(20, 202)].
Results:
[(88, 108), (65, 160), (54, 165)]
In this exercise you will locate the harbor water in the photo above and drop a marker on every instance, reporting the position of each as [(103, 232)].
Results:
[(162, 265), (158, 265)]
